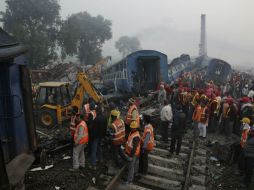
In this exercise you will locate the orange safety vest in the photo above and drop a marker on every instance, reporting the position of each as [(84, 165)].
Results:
[(84, 138), (203, 117), (128, 119), (150, 144), (129, 144), (119, 135), (73, 125), (86, 110), (199, 114)]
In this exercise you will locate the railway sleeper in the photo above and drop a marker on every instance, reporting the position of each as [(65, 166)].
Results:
[(199, 169), (164, 162), (168, 173), (165, 153), (199, 160), (159, 138), (199, 180), (160, 182), (131, 187), (197, 187), (184, 148)]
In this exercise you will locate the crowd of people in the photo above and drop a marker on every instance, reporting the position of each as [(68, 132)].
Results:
[(188, 103), (127, 143), (226, 108)]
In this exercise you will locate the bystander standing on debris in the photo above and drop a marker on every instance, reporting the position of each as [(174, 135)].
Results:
[(166, 116), (162, 96), (96, 133), (177, 130)]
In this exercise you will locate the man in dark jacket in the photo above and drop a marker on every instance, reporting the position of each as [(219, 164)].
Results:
[(177, 130), (97, 132), (249, 158)]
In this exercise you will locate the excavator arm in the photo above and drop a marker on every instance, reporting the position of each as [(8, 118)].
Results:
[(86, 86)]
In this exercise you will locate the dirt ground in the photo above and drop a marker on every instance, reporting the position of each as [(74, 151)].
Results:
[(221, 173)]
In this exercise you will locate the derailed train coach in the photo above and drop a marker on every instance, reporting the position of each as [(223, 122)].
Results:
[(17, 129), (138, 72), (218, 70), (214, 69)]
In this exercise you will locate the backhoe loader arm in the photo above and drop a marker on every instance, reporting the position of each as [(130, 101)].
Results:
[(89, 88)]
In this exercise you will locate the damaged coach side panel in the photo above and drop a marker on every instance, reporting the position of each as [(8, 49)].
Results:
[(138, 73)]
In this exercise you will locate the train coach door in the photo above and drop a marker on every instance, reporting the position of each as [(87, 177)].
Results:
[(149, 72)]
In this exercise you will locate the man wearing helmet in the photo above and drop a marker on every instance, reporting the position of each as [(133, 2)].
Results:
[(132, 149), (117, 136)]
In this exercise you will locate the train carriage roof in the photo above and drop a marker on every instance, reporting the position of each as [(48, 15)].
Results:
[(137, 52), (9, 47)]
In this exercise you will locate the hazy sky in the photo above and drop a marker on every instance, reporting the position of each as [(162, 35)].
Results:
[(173, 26)]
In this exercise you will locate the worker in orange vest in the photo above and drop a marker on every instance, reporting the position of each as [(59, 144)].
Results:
[(245, 132), (132, 150), (132, 114), (80, 141), (117, 136), (196, 119), (203, 121), (147, 144)]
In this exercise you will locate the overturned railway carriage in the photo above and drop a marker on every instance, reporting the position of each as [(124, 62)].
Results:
[(218, 70), (17, 130), (214, 69), (139, 72)]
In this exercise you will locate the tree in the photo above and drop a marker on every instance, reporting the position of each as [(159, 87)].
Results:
[(35, 23), (127, 45), (83, 35)]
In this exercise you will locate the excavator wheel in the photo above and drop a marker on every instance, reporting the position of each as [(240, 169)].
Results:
[(47, 118)]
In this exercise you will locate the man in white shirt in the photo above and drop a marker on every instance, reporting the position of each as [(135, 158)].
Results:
[(166, 117), (162, 96)]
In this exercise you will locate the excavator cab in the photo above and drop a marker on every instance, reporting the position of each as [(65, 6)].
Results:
[(53, 103)]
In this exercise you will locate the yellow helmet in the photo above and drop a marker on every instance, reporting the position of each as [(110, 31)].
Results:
[(114, 113), (133, 125), (246, 120)]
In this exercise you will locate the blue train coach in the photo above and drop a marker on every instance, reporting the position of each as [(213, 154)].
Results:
[(17, 129), (139, 72)]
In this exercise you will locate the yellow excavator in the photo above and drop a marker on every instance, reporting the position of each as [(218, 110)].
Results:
[(54, 103), (94, 72)]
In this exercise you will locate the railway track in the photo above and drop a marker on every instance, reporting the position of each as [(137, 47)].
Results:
[(186, 171)]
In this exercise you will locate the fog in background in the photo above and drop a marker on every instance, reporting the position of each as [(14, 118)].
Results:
[(173, 26)]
